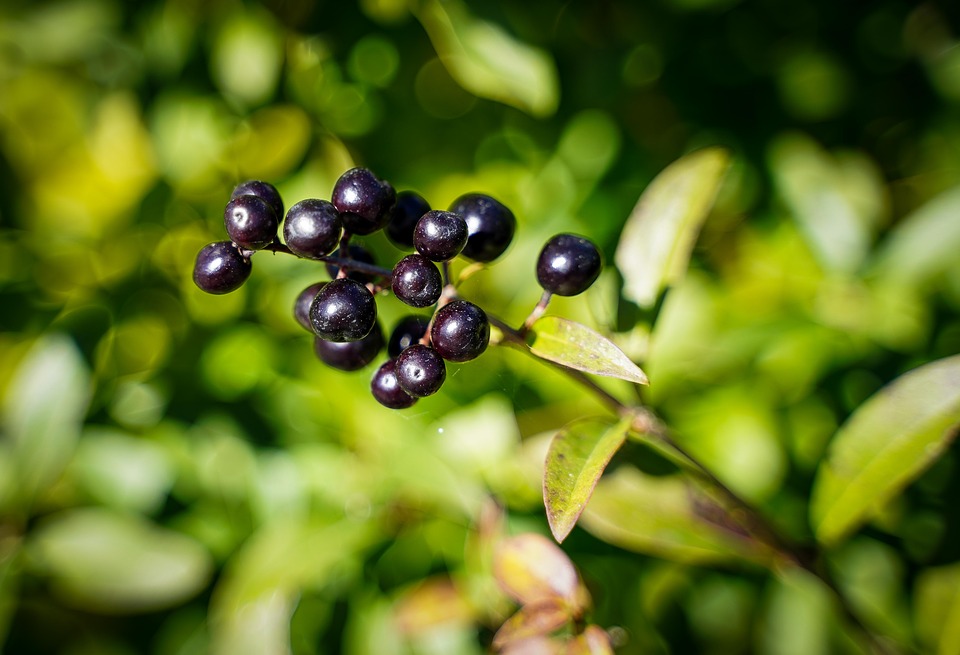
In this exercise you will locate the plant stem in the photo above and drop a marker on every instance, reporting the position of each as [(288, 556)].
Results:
[(341, 262)]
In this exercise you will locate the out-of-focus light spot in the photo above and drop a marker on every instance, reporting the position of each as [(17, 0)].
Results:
[(247, 56), (438, 94), (589, 143), (643, 65), (813, 86), (374, 60), (270, 143)]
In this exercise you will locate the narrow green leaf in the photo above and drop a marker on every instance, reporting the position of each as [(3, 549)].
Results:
[(577, 456), (937, 609), (577, 346), (487, 61), (666, 517), (658, 237), (106, 561), (887, 442)]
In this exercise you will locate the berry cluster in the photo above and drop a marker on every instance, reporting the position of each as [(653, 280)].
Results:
[(342, 312)]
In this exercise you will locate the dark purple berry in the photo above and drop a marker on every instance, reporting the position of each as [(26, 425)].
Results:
[(408, 331), (490, 226), (440, 236), (344, 310), (363, 200), (263, 190), (220, 268), (350, 355), (460, 332), (420, 370), (568, 265), (301, 307), (312, 228), (417, 281), (387, 391), (357, 253), (408, 210), (250, 222)]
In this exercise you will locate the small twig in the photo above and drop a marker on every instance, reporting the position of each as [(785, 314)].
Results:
[(536, 313)]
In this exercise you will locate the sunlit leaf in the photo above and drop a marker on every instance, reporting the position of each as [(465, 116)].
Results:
[(431, 603), (489, 62), (592, 641), (107, 561), (937, 609), (576, 459), (577, 346), (658, 237), (887, 442), (533, 620), (43, 412), (666, 517), (533, 569)]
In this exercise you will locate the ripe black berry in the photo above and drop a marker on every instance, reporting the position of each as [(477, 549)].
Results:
[(408, 331), (312, 228), (460, 332), (420, 370), (220, 268), (344, 310), (363, 200), (350, 355), (250, 222), (568, 265), (408, 210), (490, 226), (386, 389), (263, 190), (357, 253), (417, 281), (301, 307), (440, 235)]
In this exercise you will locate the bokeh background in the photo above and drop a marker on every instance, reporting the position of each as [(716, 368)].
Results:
[(179, 475)]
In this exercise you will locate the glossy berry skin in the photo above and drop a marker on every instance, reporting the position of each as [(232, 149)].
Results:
[(350, 355), (220, 268), (440, 236), (490, 226), (460, 332), (344, 310), (407, 332), (363, 200), (420, 370), (250, 222), (386, 390), (408, 210), (568, 265), (357, 253), (312, 228), (417, 281), (263, 190), (301, 306)]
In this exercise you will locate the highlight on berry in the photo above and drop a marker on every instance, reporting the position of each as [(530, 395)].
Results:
[(340, 309)]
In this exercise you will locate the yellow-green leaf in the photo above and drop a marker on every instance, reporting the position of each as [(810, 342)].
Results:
[(533, 569), (576, 346), (937, 609), (887, 442), (577, 456), (658, 238), (535, 620)]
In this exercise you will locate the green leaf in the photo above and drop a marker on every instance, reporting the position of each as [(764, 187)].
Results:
[(43, 412), (576, 346), (658, 237), (9, 583), (106, 561), (487, 61), (666, 517), (533, 569), (577, 456), (937, 609), (887, 442)]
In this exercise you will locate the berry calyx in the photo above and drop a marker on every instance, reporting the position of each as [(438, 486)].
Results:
[(460, 332), (420, 370), (301, 306), (490, 226), (568, 265), (440, 236), (312, 228), (220, 268), (403, 219), (250, 222), (363, 200), (407, 332), (350, 355), (386, 390), (417, 281), (343, 310), (263, 190)]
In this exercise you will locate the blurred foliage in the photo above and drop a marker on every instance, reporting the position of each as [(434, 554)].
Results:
[(178, 475)]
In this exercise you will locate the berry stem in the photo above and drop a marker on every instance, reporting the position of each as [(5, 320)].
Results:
[(536, 313), (342, 262)]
